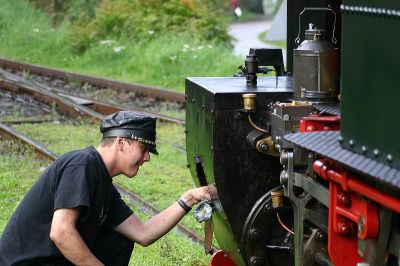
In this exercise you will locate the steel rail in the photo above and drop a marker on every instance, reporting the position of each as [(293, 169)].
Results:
[(67, 103), (26, 121), (119, 86), (11, 134), (71, 108), (64, 106), (133, 198), (107, 108)]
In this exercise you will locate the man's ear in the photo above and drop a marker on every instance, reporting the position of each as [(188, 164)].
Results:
[(120, 143)]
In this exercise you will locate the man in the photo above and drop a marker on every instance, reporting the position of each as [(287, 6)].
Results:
[(74, 215)]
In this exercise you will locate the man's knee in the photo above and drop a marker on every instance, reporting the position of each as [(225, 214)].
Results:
[(112, 248)]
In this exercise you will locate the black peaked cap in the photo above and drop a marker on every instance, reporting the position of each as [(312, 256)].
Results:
[(133, 125)]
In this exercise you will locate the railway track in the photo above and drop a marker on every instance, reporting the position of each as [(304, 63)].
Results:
[(119, 86), (71, 104)]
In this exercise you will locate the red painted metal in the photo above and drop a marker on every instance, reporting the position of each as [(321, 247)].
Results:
[(324, 168), (350, 212), (342, 241), (219, 258), (357, 210), (375, 195), (315, 122)]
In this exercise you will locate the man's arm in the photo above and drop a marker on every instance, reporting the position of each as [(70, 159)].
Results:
[(68, 240), (146, 233)]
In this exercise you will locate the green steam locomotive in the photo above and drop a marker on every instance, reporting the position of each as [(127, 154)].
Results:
[(304, 164)]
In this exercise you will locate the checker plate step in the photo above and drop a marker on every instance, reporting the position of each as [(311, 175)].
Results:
[(326, 144), (328, 108)]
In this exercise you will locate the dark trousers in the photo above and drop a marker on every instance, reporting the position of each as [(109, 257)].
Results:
[(110, 248), (113, 249)]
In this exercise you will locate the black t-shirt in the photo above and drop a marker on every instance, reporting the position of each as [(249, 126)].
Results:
[(78, 178)]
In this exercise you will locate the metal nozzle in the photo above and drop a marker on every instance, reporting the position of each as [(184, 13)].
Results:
[(277, 198), (249, 101)]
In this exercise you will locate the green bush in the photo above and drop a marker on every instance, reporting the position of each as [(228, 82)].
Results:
[(143, 20), (163, 59)]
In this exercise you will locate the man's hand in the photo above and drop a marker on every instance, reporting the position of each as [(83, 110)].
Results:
[(68, 240), (194, 196)]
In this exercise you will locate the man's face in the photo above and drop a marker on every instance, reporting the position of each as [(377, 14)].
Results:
[(134, 154)]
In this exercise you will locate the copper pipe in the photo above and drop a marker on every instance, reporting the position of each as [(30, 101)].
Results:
[(255, 126)]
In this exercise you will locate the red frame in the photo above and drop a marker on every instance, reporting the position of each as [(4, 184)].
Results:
[(315, 122), (353, 211)]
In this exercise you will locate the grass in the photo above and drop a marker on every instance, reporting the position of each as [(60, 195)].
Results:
[(169, 250), (17, 174), (159, 182), (20, 168), (164, 61)]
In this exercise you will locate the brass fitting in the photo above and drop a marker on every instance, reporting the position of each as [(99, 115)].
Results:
[(296, 103), (249, 101), (266, 146), (277, 198)]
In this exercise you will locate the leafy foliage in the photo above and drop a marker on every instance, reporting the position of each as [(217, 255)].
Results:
[(67, 10), (144, 20)]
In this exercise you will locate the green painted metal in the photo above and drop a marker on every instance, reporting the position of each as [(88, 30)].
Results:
[(199, 141), (370, 81)]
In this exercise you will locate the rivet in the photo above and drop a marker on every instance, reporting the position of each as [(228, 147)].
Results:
[(284, 157), (341, 139), (389, 157), (364, 148), (284, 177), (255, 234), (264, 147), (193, 100), (343, 199), (376, 152), (321, 236), (351, 143), (343, 228), (254, 260)]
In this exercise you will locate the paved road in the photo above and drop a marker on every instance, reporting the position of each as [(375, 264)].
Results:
[(246, 35)]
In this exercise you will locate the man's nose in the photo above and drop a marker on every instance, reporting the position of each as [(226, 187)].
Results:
[(146, 156)]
